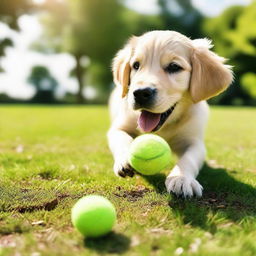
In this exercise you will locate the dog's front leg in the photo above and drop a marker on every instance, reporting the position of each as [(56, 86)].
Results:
[(182, 179), (119, 142)]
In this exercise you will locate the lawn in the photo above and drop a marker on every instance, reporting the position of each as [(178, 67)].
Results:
[(52, 156)]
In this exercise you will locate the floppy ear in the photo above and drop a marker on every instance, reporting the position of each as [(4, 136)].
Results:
[(210, 76), (121, 67)]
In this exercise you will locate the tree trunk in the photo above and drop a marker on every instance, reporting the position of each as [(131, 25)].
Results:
[(79, 75)]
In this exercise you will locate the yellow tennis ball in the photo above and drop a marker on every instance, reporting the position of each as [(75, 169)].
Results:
[(149, 154), (93, 216)]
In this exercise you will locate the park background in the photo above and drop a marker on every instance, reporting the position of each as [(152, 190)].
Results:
[(55, 79), (60, 51)]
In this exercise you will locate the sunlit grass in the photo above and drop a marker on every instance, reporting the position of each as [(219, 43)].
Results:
[(51, 156)]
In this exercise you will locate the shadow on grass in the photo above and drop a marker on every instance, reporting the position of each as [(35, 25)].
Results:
[(157, 181), (112, 243), (222, 194)]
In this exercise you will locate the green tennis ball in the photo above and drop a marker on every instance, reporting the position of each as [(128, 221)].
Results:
[(93, 216), (149, 154)]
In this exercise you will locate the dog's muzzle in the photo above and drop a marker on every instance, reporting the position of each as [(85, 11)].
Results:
[(144, 97)]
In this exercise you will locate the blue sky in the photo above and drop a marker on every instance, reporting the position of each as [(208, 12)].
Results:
[(20, 59)]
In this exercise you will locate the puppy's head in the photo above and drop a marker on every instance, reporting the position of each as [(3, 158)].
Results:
[(161, 69)]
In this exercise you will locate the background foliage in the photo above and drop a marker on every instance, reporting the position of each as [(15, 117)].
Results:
[(93, 30)]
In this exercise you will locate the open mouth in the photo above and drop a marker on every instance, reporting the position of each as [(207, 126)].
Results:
[(151, 122)]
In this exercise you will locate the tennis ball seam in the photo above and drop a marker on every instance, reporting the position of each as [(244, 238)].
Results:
[(142, 155), (148, 159)]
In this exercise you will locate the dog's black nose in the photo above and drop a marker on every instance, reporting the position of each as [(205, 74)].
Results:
[(144, 96)]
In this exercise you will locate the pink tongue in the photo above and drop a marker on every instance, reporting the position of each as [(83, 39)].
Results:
[(148, 121)]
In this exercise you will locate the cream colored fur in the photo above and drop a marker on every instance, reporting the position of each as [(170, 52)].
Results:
[(203, 76)]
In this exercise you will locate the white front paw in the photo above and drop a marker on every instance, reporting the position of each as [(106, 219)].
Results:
[(122, 168), (183, 186)]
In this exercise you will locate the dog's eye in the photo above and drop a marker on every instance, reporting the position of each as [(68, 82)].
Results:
[(173, 68), (136, 65)]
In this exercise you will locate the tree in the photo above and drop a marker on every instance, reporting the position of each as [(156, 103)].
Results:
[(44, 83), (248, 82), (99, 72), (10, 10), (84, 28), (95, 29), (4, 43), (180, 15), (234, 37)]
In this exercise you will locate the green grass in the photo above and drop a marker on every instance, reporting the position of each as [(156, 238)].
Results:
[(51, 156)]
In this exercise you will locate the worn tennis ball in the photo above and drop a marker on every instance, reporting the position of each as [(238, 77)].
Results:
[(149, 154), (93, 216)]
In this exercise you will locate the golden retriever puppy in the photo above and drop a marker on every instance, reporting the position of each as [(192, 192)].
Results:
[(162, 81)]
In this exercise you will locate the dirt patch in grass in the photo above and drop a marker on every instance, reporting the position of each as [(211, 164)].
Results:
[(221, 201), (215, 201), (132, 195), (20, 199), (48, 206), (9, 240), (14, 225), (26, 200)]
